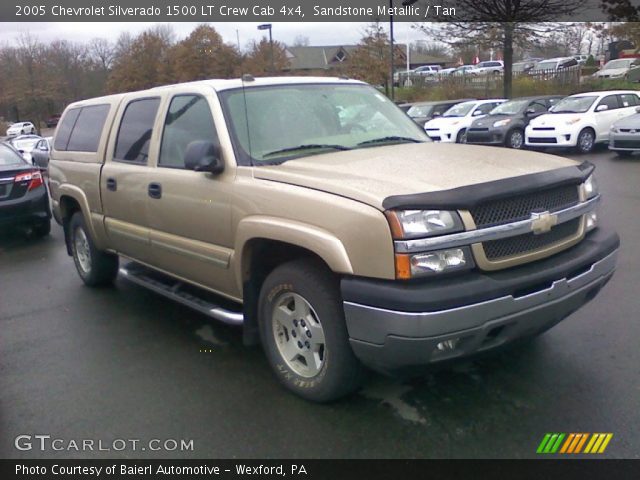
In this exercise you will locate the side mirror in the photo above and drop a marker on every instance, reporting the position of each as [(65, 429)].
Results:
[(203, 156), (638, 109), (476, 113), (601, 108), (436, 114), (529, 111)]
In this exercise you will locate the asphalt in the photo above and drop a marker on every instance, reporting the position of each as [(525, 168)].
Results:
[(123, 363)]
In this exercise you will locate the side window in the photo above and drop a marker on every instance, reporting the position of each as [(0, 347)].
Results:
[(440, 109), (537, 107), (188, 120), (64, 129), (85, 136), (486, 108), (628, 100), (134, 133), (610, 101)]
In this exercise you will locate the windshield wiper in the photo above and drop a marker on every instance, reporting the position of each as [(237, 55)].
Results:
[(389, 139), (310, 146)]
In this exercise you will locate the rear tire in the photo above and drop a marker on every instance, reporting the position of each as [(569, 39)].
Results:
[(304, 334), (94, 266)]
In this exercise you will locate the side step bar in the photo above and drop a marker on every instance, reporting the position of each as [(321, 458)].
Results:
[(174, 290)]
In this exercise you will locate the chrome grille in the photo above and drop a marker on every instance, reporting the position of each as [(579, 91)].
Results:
[(513, 209), (529, 242)]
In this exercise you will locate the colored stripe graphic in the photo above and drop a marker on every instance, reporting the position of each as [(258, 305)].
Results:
[(573, 443)]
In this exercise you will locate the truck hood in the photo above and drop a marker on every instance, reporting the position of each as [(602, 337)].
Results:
[(370, 175)]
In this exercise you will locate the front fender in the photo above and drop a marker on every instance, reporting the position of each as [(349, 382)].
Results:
[(317, 240)]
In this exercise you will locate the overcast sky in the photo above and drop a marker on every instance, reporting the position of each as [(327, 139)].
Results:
[(318, 33)]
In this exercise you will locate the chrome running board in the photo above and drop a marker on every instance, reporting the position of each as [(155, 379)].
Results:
[(175, 290)]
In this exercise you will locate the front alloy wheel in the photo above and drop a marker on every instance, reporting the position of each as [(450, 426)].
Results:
[(586, 141), (516, 139)]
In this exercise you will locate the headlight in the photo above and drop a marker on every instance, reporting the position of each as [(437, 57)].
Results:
[(614, 129), (407, 224), (502, 123), (433, 263), (590, 187), (571, 121)]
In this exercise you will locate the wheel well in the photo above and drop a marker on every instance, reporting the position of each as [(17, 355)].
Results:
[(68, 206), (259, 258)]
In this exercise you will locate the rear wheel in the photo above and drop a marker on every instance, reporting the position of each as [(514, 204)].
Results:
[(94, 266), (586, 141), (515, 139), (304, 334)]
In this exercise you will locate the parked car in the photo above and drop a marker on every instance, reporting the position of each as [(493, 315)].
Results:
[(24, 201), (428, 70), (21, 128), (452, 125), (53, 120), (505, 124), (25, 144), (553, 65), (524, 66), (624, 137), (581, 58), (331, 244), (446, 71), (40, 153), (488, 67), (617, 68), (424, 111), (463, 70), (581, 120)]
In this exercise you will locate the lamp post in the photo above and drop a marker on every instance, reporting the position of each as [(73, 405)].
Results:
[(267, 26), (405, 3)]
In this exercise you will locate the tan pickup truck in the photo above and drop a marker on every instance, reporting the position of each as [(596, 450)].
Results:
[(320, 218)]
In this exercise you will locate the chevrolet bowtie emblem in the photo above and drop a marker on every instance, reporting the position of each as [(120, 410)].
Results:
[(542, 222)]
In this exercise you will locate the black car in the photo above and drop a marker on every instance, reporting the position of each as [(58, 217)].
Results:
[(505, 124), (424, 111), (24, 201)]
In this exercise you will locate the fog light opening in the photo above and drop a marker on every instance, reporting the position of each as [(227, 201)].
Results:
[(591, 221), (448, 345)]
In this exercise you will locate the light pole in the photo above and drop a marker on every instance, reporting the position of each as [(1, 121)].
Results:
[(405, 3), (267, 26)]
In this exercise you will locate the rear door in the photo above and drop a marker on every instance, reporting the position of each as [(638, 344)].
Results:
[(628, 104), (190, 214), (125, 176)]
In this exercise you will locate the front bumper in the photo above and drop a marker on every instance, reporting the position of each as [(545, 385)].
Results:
[(486, 136), (553, 137), (628, 142), (393, 325), (442, 135), (32, 208)]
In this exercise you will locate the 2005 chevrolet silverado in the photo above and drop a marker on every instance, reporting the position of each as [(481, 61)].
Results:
[(318, 216)]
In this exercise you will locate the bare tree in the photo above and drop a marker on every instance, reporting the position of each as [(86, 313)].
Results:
[(103, 52), (503, 23)]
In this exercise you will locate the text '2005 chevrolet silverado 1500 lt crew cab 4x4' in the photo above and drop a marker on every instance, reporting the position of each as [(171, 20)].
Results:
[(318, 216)]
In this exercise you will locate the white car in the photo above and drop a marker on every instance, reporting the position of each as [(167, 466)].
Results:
[(581, 120), (490, 66), (452, 125), (21, 128), (25, 145), (617, 68)]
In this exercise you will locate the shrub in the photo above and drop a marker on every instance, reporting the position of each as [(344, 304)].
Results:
[(591, 62)]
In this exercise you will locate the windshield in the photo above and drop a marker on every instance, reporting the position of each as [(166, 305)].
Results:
[(509, 108), (9, 157), (546, 65), (26, 143), (620, 63), (459, 110), (573, 105), (282, 122), (420, 111)]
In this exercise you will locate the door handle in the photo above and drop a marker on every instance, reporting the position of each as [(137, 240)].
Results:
[(112, 184), (155, 190)]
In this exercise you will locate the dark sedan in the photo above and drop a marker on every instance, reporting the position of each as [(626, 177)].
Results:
[(505, 124), (24, 201), (422, 112)]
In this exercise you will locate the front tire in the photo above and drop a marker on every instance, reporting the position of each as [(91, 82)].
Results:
[(304, 334), (515, 139), (94, 266), (462, 136), (586, 141)]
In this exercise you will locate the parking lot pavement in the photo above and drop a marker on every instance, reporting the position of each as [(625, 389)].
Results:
[(122, 363)]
